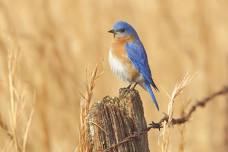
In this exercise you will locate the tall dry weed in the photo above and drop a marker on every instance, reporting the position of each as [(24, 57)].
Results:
[(85, 103), (165, 134), (17, 142)]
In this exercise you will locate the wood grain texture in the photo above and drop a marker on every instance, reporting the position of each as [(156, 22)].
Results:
[(112, 120)]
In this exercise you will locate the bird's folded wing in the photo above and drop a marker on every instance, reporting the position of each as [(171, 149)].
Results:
[(138, 56)]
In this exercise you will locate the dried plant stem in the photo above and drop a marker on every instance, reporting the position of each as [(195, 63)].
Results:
[(25, 138), (166, 124), (13, 104), (16, 106), (181, 147), (84, 109), (182, 139)]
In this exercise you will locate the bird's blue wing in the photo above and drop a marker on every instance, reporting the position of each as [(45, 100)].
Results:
[(137, 55)]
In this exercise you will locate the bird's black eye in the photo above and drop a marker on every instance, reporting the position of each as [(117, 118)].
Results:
[(121, 30)]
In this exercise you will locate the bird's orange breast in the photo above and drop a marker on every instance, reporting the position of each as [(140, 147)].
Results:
[(118, 51)]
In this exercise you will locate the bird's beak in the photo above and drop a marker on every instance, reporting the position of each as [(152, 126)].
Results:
[(111, 31)]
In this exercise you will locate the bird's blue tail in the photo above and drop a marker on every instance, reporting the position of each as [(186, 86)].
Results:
[(148, 88)]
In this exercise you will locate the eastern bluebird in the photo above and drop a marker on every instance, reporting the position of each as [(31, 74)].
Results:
[(128, 58)]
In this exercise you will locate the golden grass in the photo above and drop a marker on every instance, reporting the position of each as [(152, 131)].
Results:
[(167, 126), (16, 105), (45, 46), (85, 104)]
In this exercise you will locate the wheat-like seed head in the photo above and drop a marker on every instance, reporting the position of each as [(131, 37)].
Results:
[(85, 103), (178, 89)]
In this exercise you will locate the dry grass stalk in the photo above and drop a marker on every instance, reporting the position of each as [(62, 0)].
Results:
[(178, 89), (13, 103), (85, 103), (25, 138), (17, 105), (182, 129), (182, 138), (165, 133)]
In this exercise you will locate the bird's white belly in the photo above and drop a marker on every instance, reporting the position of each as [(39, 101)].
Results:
[(118, 67)]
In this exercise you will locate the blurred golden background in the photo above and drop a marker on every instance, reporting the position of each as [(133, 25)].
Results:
[(50, 45)]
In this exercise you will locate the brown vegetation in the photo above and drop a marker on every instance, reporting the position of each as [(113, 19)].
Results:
[(46, 45)]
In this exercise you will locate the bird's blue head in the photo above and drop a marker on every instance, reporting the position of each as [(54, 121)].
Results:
[(123, 30)]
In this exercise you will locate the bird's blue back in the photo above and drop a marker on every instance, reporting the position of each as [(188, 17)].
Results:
[(138, 56)]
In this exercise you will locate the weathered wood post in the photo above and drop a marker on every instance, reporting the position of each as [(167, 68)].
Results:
[(113, 123)]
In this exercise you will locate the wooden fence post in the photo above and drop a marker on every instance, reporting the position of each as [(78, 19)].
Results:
[(113, 124)]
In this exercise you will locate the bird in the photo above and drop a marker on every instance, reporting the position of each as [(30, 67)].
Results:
[(128, 58)]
